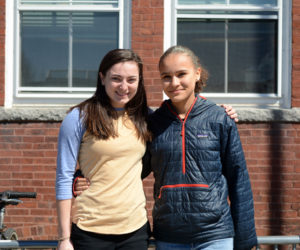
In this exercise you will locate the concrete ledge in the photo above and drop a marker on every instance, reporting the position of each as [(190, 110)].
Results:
[(269, 115), (53, 114), (32, 114)]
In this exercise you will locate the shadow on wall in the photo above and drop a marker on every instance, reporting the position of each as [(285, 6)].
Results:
[(275, 192)]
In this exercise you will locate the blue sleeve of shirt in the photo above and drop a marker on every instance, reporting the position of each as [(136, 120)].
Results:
[(69, 140)]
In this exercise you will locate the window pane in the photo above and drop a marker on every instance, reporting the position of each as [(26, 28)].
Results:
[(44, 49), (68, 2), (250, 46), (94, 34), (43, 2), (201, 1), (252, 56), (255, 2), (96, 2), (206, 39), (248, 2), (49, 40)]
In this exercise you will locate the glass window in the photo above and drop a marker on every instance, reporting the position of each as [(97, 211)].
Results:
[(62, 49), (244, 49), (244, 45), (60, 43), (229, 2)]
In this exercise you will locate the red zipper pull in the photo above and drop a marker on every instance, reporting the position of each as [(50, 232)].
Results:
[(182, 129), (160, 190)]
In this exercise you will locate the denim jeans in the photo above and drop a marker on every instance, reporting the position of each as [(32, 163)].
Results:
[(222, 244)]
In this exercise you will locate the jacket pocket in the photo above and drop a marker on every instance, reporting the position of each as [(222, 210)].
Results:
[(197, 203), (181, 186)]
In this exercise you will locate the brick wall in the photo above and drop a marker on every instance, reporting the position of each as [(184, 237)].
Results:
[(27, 163), (147, 41), (273, 160)]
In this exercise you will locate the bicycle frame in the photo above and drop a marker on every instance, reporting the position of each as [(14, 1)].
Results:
[(10, 198)]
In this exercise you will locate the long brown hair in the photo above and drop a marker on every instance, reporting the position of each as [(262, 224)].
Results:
[(179, 49), (98, 113)]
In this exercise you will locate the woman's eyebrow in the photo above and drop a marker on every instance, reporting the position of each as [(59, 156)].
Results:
[(176, 72)]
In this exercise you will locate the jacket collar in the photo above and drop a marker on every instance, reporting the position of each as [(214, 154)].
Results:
[(200, 105)]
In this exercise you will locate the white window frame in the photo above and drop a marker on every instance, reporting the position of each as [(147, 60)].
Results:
[(12, 59), (283, 96)]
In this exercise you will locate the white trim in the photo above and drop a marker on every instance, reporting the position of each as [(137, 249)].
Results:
[(279, 49), (57, 89), (66, 2), (121, 27), (169, 28), (61, 2), (226, 57), (70, 46), (242, 95), (9, 55), (286, 77), (227, 16), (174, 26), (126, 24), (69, 8), (168, 21), (57, 95), (17, 47), (245, 100), (226, 7)]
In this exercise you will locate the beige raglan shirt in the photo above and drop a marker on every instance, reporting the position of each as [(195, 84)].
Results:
[(115, 201)]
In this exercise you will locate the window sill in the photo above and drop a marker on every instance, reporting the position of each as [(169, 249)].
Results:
[(33, 114), (57, 114)]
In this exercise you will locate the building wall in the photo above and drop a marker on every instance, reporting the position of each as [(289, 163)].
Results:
[(27, 163), (272, 149), (28, 156), (147, 41)]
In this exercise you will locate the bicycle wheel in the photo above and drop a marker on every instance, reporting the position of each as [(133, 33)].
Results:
[(10, 234)]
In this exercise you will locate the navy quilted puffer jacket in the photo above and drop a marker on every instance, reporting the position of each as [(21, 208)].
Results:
[(198, 163)]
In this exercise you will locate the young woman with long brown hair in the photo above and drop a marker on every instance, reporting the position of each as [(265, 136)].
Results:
[(106, 135)]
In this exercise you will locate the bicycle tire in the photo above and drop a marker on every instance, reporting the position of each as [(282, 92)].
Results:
[(10, 234)]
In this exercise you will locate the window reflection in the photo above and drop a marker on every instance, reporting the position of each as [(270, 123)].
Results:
[(62, 49), (240, 55), (248, 2)]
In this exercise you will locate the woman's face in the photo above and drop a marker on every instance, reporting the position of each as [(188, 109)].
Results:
[(121, 83), (179, 76)]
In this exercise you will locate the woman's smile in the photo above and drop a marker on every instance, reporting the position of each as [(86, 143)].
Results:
[(121, 83)]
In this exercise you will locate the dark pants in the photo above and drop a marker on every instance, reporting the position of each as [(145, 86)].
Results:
[(137, 240)]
